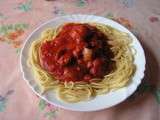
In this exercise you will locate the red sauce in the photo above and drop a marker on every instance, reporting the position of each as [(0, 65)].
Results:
[(78, 53)]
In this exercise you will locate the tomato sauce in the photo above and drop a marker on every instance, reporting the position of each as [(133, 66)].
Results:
[(78, 53)]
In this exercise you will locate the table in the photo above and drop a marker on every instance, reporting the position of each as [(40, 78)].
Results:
[(18, 18)]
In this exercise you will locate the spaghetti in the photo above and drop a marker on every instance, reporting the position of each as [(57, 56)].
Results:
[(78, 91)]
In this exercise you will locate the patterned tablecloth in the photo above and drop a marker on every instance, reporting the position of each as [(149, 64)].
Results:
[(18, 18)]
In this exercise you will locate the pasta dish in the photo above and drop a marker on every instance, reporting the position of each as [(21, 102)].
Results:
[(81, 60)]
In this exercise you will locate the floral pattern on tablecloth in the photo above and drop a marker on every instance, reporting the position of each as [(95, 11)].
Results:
[(18, 18)]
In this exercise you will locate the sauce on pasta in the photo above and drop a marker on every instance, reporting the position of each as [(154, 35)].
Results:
[(79, 52)]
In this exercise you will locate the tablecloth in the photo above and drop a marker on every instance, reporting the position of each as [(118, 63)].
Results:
[(18, 18)]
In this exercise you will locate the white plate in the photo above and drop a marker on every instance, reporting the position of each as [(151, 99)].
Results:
[(101, 101)]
